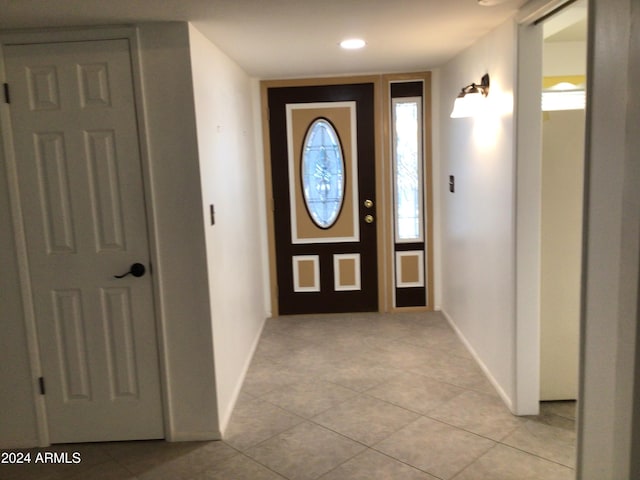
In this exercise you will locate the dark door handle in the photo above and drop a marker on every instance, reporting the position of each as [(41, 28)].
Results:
[(137, 270)]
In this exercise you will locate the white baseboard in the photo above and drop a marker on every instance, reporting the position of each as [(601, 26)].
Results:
[(505, 398), (19, 444), (225, 416), (194, 436)]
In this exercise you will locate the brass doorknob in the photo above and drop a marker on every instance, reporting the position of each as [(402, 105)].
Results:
[(368, 203), (368, 218)]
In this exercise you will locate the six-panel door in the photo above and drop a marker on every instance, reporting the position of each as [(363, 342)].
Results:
[(81, 189)]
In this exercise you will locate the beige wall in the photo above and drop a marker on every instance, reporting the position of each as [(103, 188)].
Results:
[(564, 58), (561, 225)]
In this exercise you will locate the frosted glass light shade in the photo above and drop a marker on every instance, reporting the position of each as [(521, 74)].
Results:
[(468, 105)]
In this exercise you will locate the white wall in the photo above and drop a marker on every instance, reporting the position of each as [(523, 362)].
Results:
[(229, 177), (477, 221), (179, 237)]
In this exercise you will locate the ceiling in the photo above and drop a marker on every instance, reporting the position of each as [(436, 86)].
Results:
[(294, 38), (568, 25)]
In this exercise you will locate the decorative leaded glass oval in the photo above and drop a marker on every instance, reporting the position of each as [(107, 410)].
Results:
[(322, 173)]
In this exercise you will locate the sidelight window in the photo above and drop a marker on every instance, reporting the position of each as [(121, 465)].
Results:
[(407, 163)]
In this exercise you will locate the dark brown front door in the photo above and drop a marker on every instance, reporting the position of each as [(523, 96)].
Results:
[(323, 171)]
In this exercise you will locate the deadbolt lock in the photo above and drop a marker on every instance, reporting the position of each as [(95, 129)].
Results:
[(368, 203), (368, 218)]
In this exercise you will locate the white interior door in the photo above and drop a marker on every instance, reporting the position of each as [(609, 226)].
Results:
[(76, 143)]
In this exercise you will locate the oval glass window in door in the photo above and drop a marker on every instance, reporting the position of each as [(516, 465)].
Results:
[(322, 171)]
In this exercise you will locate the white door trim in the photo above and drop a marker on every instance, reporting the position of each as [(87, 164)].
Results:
[(529, 204), (535, 10), (528, 211), (68, 35)]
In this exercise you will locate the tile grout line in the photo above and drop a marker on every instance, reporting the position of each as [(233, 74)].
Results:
[(366, 393), (473, 462), (535, 455), (263, 465)]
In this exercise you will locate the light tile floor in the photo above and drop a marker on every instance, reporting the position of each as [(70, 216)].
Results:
[(351, 397)]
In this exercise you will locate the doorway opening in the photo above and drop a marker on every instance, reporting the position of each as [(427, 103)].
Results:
[(564, 55)]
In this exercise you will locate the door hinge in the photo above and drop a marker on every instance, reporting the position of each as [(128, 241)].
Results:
[(41, 383), (7, 98)]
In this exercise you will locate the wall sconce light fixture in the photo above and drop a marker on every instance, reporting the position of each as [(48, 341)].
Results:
[(471, 98)]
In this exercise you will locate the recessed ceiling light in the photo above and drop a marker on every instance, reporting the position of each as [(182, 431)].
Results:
[(353, 43)]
